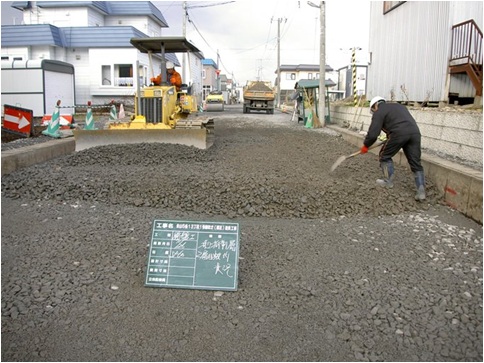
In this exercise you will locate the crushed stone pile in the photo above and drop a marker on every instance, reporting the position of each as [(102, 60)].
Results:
[(331, 267), (261, 172)]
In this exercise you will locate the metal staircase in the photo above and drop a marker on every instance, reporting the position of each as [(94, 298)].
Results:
[(466, 52)]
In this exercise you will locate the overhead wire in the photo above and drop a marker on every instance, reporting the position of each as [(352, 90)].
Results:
[(268, 35), (199, 33), (209, 5), (270, 43)]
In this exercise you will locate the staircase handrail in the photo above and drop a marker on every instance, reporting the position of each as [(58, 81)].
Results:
[(467, 43)]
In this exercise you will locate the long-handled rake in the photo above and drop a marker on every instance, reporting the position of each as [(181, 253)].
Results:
[(344, 157)]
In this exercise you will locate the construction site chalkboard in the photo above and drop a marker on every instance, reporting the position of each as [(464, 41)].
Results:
[(193, 255)]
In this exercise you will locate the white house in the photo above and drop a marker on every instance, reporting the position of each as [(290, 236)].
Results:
[(290, 74), (94, 36), (426, 51)]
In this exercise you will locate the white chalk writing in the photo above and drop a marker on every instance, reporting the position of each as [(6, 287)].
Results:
[(219, 245)]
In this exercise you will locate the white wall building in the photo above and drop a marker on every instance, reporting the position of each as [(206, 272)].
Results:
[(290, 74), (426, 50), (94, 36)]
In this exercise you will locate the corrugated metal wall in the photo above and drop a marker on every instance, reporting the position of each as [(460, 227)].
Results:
[(410, 47)]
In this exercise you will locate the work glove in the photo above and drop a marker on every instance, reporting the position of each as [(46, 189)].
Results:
[(364, 149), (382, 137)]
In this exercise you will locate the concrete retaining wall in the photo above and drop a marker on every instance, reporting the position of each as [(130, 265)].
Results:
[(460, 186), (457, 133)]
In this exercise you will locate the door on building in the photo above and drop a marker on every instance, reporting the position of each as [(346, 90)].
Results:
[(349, 84)]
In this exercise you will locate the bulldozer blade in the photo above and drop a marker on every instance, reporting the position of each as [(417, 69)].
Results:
[(214, 107), (201, 138)]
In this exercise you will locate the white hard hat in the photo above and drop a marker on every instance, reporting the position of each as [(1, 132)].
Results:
[(375, 100), (169, 65)]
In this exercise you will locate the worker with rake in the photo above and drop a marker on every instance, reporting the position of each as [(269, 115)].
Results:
[(402, 133)]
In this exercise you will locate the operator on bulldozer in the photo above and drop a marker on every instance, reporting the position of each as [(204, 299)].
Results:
[(171, 74), (163, 113)]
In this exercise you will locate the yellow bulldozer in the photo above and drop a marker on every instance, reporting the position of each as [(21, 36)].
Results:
[(162, 114)]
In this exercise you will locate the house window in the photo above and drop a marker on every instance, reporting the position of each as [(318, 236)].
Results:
[(124, 74), (106, 75), (143, 75), (117, 75), (125, 70), (310, 76), (317, 76), (290, 76), (204, 74), (6, 57), (390, 5), (205, 91)]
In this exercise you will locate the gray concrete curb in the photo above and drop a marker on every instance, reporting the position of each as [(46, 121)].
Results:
[(461, 186), (15, 159)]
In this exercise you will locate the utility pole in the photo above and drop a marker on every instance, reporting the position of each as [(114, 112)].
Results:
[(185, 16), (322, 62), (219, 81), (184, 63), (278, 100), (259, 69)]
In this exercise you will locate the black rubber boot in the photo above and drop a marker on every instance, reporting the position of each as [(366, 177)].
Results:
[(420, 184), (388, 174)]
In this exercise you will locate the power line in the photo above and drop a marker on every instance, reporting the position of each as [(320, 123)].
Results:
[(206, 42), (198, 31), (208, 5)]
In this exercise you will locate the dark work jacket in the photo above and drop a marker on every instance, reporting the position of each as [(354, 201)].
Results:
[(391, 118)]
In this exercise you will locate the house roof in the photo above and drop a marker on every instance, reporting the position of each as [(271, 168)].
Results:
[(133, 8), (26, 35), (75, 37), (314, 83), (303, 67), (90, 37), (209, 62)]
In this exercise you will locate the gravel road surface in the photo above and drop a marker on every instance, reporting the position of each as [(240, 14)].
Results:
[(332, 268)]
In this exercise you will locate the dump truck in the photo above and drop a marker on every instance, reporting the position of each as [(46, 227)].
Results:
[(214, 101), (163, 114), (259, 96)]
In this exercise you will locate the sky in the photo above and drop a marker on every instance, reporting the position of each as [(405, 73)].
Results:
[(244, 32)]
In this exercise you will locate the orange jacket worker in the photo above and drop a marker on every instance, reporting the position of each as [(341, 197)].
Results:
[(172, 74)]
